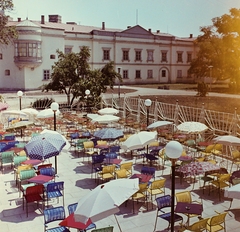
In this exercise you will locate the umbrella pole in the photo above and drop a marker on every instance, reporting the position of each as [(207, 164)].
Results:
[(118, 223), (55, 164)]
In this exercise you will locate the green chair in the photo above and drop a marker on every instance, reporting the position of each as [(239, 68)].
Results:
[(20, 145), (105, 229), (24, 175), (79, 145), (7, 158), (17, 160)]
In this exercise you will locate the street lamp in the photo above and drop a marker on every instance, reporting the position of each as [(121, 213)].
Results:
[(55, 107), (148, 103), (173, 151), (20, 94), (119, 70), (87, 92)]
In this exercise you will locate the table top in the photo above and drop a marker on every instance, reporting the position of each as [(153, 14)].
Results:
[(189, 208), (113, 161), (32, 162), (142, 177), (70, 222), (40, 179), (185, 158), (102, 146)]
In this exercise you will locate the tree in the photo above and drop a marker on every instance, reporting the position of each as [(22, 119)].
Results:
[(72, 75), (219, 49), (7, 33)]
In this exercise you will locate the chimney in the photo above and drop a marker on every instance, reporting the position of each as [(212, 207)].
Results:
[(19, 19), (55, 18), (42, 19), (150, 30), (158, 31), (103, 25), (191, 35)]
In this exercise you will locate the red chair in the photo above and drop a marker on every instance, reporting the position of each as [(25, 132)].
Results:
[(43, 166), (32, 194)]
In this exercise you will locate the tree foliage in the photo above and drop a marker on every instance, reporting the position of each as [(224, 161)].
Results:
[(71, 75), (7, 33), (219, 48)]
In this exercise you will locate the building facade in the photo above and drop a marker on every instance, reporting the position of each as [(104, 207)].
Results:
[(140, 56)]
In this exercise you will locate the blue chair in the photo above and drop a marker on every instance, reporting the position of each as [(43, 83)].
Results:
[(148, 171), (50, 171), (52, 215), (164, 202), (97, 161), (115, 149), (71, 209), (55, 190)]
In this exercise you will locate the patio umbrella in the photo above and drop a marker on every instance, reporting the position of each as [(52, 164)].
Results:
[(30, 111), (44, 146), (3, 106), (228, 140), (66, 147), (47, 113), (159, 124), (139, 140), (14, 113), (233, 192), (19, 125), (106, 118), (92, 116), (192, 127), (108, 110), (108, 133), (105, 199)]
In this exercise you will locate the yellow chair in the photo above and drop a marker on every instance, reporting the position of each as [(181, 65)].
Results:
[(128, 167), (221, 182), (88, 148), (101, 142), (122, 173), (140, 194), (235, 159), (157, 187), (154, 144), (107, 173), (198, 226), (186, 196), (217, 223), (19, 169)]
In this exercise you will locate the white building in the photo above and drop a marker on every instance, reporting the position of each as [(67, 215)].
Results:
[(140, 55)]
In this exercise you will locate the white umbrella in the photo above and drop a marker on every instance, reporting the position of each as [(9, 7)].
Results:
[(106, 118), (47, 113), (30, 111), (66, 147), (139, 140), (14, 113), (192, 127), (233, 192), (228, 140), (92, 116), (105, 199), (20, 124), (108, 110), (159, 124)]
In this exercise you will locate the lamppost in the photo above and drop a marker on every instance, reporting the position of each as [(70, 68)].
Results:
[(87, 92), (119, 72), (173, 151), (148, 103), (20, 94), (55, 107), (210, 67)]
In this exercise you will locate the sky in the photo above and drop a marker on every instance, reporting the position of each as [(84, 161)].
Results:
[(177, 17)]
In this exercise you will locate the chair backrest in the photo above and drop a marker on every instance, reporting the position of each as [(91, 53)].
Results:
[(101, 142), (218, 147), (235, 154), (157, 184), (44, 166), (128, 166), (209, 148), (142, 187), (217, 219), (224, 178), (34, 190), (148, 170), (122, 173), (114, 148), (105, 229), (184, 196), (47, 171), (154, 144), (111, 155), (88, 144), (97, 159), (53, 214), (26, 174), (17, 160), (74, 135), (23, 167), (199, 225), (7, 156), (55, 186), (163, 201), (109, 169), (72, 208)]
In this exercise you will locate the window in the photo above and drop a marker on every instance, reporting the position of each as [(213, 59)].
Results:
[(125, 74), (164, 73), (179, 73), (164, 56), (1, 56), (67, 50), (125, 55), (138, 74), (138, 56), (179, 57), (46, 74), (149, 55), (149, 74), (28, 49), (106, 54), (7, 72), (189, 57), (52, 56)]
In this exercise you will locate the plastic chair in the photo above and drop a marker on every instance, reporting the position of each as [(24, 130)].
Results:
[(217, 223), (165, 202), (24, 175), (32, 194), (235, 159), (43, 166), (7, 158), (198, 226), (105, 229), (71, 209), (141, 193), (88, 148), (52, 215), (186, 196), (97, 161), (122, 173), (55, 190), (47, 172), (128, 167), (107, 172)]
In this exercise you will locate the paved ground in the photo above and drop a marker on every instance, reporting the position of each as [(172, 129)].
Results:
[(77, 178)]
